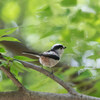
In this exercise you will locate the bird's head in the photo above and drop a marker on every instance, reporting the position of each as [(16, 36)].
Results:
[(58, 48)]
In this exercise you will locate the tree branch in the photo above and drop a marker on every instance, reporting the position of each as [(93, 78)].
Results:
[(31, 95), (40, 69), (52, 76), (11, 76)]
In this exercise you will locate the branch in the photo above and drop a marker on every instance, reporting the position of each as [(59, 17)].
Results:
[(31, 95), (52, 76), (38, 68), (11, 76)]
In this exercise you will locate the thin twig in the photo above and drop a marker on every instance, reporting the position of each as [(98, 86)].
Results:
[(52, 76), (11, 76)]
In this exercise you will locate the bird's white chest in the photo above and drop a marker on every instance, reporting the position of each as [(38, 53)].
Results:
[(49, 62)]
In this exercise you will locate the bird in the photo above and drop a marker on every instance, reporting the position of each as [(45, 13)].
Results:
[(49, 58)]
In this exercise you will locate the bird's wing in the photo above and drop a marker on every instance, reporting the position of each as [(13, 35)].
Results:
[(51, 55)]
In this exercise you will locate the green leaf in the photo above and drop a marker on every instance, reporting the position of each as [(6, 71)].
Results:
[(94, 57), (13, 69), (2, 50), (8, 39), (23, 58), (7, 31), (3, 64), (50, 31), (47, 12), (68, 3), (73, 70), (19, 66), (8, 58), (84, 75)]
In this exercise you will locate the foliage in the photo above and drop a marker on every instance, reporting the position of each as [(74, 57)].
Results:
[(4, 32), (42, 23)]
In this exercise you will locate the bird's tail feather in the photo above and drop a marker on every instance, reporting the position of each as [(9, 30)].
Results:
[(31, 53)]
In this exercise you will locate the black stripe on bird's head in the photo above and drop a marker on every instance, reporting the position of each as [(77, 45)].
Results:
[(57, 46)]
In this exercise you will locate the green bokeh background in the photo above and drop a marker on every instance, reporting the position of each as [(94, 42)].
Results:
[(42, 23)]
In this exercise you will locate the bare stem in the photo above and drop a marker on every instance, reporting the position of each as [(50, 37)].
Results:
[(11, 76), (52, 76)]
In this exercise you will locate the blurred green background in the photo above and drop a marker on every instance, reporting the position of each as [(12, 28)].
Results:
[(42, 23)]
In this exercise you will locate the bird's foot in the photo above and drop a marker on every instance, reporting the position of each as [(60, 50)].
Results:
[(52, 71)]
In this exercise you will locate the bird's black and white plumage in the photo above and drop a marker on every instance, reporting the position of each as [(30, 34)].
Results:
[(51, 57)]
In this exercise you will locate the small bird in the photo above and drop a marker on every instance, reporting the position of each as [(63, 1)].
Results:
[(50, 58)]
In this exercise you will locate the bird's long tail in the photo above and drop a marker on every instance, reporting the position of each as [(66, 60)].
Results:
[(31, 53)]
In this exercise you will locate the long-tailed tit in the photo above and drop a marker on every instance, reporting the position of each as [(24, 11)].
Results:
[(50, 58)]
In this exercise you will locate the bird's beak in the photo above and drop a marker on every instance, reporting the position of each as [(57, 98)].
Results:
[(64, 47)]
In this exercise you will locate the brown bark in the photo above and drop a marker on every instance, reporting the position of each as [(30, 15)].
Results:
[(30, 95), (10, 75)]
